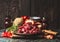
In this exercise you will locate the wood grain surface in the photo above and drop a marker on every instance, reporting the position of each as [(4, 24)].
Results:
[(16, 8)]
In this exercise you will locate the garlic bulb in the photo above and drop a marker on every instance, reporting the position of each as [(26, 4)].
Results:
[(17, 21)]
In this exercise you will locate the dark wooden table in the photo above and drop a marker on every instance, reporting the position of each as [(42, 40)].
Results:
[(2, 39), (27, 40)]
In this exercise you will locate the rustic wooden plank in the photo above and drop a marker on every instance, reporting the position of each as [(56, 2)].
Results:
[(48, 8), (25, 6)]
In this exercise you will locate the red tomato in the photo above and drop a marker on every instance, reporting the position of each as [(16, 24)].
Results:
[(4, 34), (9, 34)]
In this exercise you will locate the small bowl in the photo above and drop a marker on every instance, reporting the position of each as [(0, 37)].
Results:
[(38, 19)]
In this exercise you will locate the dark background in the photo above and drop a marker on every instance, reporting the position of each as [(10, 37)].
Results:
[(47, 8)]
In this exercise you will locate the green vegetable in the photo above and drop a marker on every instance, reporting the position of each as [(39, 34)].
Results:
[(12, 28)]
